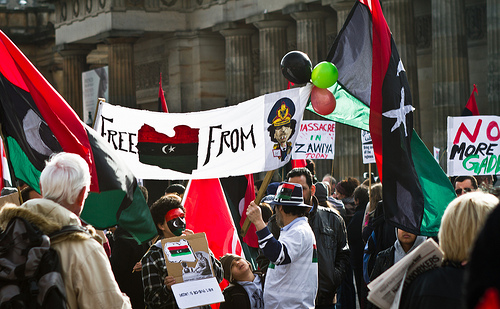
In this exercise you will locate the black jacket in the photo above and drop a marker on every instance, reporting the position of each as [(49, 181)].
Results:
[(439, 288), (384, 261), (333, 251), (125, 253), (236, 297)]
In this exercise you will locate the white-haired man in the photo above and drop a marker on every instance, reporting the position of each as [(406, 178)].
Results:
[(87, 274)]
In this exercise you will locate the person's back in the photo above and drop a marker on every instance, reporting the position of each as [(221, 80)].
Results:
[(85, 268)]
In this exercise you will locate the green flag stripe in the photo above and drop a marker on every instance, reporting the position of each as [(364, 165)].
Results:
[(437, 188), (349, 110), (23, 169)]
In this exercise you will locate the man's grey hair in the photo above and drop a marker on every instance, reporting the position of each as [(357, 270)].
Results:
[(63, 177)]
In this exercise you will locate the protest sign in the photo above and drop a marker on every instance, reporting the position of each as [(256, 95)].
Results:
[(367, 145), (316, 140), (473, 147), (188, 261), (253, 136), (94, 86)]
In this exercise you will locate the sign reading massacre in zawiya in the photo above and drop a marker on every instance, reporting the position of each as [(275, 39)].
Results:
[(473, 145), (254, 136)]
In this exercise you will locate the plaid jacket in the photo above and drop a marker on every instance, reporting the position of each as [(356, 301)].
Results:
[(154, 271)]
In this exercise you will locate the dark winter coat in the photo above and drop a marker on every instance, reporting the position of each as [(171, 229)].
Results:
[(440, 288)]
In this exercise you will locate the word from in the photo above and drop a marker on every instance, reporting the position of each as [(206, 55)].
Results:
[(228, 139)]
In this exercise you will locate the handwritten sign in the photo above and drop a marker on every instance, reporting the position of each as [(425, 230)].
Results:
[(473, 145), (367, 147), (316, 140), (197, 293)]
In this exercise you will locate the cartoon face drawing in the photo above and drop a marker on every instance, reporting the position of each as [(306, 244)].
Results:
[(282, 127)]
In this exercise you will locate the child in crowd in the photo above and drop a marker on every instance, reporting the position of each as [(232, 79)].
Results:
[(245, 290)]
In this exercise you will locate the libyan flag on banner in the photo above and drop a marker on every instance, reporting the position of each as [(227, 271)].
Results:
[(373, 94), (37, 122)]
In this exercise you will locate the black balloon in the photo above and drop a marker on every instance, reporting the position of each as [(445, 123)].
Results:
[(296, 67)]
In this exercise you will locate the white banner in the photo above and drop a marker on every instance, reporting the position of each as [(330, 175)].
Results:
[(254, 136), (367, 145), (473, 146), (316, 140)]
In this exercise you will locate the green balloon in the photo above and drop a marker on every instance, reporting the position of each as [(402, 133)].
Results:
[(324, 75)]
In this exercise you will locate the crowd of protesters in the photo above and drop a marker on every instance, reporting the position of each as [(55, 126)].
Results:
[(320, 244)]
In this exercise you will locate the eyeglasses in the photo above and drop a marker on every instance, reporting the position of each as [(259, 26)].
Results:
[(465, 190)]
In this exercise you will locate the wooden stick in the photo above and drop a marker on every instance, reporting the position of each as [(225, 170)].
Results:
[(258, 198)]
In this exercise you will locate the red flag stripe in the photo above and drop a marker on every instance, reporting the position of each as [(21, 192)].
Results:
[(380, 63)]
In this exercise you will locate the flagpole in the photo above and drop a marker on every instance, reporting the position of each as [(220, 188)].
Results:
[(258, 198)]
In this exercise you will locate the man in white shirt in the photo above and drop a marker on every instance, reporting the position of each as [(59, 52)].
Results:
[(292, 276)]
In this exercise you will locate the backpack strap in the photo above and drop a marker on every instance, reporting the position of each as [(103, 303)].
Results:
[(68, 229)]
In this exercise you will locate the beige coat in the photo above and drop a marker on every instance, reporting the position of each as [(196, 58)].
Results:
[(86, 271)]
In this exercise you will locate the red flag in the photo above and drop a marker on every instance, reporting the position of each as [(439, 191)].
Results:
[(162, 104), (251, 237), (240, 191), (207, 211), (471, 106)]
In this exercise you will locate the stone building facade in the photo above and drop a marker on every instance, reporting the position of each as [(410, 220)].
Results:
[(214, 53)]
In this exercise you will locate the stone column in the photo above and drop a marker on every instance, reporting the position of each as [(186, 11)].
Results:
[(311, 34), (348, 156), (121, 71), (493, 26), (74, 64), (343, 7), (238, 63), (399, 17), (450, 67), (273, 46)]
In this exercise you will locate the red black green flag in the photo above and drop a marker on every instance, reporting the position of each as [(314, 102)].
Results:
[(37, 122), (372, 93)]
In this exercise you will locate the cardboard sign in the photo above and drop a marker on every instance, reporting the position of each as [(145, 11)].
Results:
[(366, 143), (316, 140), (473, 145), (188, 261), (187, 257)]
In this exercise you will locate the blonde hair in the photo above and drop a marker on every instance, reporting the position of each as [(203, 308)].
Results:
[(375, 196), (462, 220)]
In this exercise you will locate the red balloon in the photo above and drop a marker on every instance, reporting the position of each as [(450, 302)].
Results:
[(323, 101)]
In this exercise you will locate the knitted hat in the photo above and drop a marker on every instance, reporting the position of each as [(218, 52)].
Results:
[(321, 192), (226, 262)]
